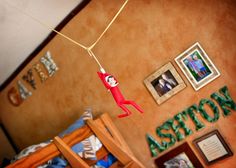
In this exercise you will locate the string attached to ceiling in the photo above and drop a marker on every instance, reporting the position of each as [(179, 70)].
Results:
[(88, 49), (108, 80)]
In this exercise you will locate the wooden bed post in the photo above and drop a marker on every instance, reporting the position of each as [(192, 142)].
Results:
[(74, 160)]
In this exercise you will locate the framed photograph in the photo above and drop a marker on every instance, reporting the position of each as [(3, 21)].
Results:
[(212, 147), (164, 83), (182, 156), (197, 66)]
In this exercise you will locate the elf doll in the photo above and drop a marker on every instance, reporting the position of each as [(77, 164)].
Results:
[(111, 84)]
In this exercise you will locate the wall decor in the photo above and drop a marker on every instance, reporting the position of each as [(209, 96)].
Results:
[(24, 92), (181, 156), (29, 78), (17, 96), (13, 97), (212, 147), (197, 66), (49, 63), (41, 74), (164, 83), (175, 129)]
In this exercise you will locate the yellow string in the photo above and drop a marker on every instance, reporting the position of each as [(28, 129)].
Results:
[(88, 49), (109, 25), (95, 58)]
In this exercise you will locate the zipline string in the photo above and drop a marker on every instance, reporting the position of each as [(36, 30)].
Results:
[(88, 49), (108, 80), (109, 25)]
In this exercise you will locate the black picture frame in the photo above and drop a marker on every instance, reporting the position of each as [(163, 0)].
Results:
[(214, 143), (183, 154)]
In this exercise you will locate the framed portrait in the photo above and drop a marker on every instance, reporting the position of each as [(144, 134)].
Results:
[(181, 156), (212, 147), (197, 66), (164, 83)]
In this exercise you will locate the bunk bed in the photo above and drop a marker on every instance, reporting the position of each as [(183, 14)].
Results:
[(102, 128)]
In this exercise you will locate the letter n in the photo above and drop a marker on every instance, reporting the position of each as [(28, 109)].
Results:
[(49, 63), (225, 101)]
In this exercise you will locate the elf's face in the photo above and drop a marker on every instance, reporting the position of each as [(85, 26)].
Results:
[(111, 81)]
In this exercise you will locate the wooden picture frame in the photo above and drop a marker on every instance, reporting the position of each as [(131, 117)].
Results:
[(181, 156), (212, 147), (197, 66), (172, 83)]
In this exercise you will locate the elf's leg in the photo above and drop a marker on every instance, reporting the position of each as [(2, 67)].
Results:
[(133, 104), (127, 112)]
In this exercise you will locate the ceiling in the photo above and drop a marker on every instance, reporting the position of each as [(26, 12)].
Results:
[(20, 34)]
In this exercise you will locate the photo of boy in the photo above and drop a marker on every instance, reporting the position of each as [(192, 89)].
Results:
[(197, 66), (180, 161)]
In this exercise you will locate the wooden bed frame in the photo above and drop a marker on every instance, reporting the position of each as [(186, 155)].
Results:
[(106, 132)]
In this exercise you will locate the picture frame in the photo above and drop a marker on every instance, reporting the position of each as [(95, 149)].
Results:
[(212, 147), (197, 66), (181, 156), (164, 83)]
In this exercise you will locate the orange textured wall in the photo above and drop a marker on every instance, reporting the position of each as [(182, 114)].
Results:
[(146, 35)]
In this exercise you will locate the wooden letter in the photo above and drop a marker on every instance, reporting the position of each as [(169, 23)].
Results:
[(171, 137), (225, 101), (190, 111), (29, 78), (212, 106), (14, 97), (154, 145), (181, 124), (24, 93), (49, 64), (42, 76)]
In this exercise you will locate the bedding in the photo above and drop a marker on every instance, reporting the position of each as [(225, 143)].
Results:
[(85, 149)]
